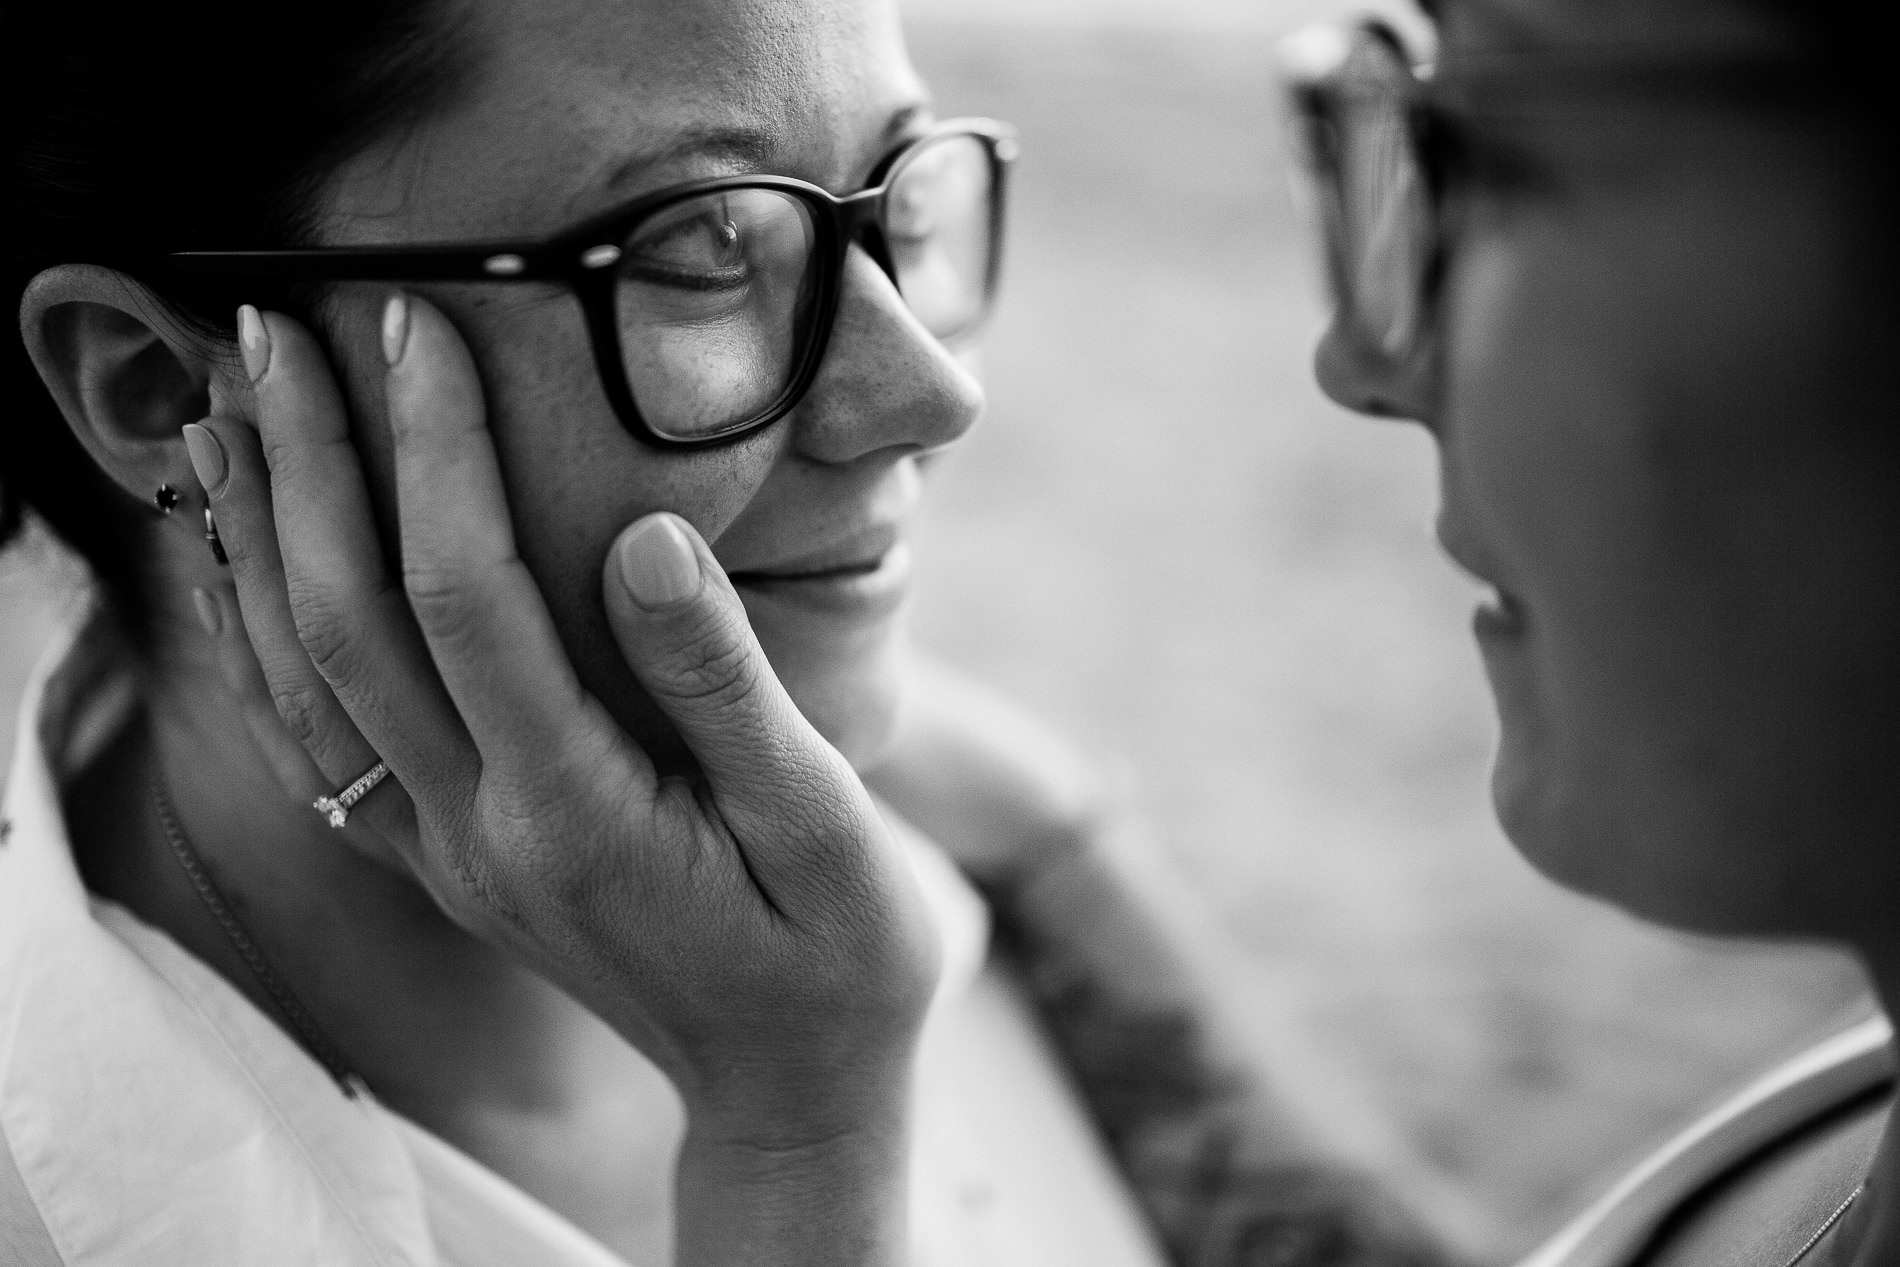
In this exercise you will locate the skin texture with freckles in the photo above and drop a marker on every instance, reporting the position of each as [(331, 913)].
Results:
[(574, 120)]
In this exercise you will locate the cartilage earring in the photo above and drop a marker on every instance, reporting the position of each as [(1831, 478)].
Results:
[(166, 499), (211, 539)]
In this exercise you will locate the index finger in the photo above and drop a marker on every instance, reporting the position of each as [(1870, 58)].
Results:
[(349, 613), (479, 608)]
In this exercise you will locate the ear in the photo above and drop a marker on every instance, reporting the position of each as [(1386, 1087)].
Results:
[(124, 371)]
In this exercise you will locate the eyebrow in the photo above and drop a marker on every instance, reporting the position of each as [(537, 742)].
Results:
[(745, 146)]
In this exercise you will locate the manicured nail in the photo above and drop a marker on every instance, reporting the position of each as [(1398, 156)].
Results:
[(657, 563), (208, 614), (395, 327), (253, 342), (207, 457)]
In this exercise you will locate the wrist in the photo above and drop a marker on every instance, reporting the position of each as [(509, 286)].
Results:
[(794, 1107), (789, 1170)]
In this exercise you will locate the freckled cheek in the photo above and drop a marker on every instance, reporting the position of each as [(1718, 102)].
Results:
[(575, 477)]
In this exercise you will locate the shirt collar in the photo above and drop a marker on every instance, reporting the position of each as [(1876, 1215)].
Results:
[(154, 1115)]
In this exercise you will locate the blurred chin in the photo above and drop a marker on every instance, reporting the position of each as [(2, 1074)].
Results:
[(1522, 799), (1567, 831), (1634, 841)]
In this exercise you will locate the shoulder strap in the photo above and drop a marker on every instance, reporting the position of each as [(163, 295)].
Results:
[(1618, 1227)]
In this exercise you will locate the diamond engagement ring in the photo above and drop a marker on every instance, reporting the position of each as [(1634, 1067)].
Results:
[(337, 808)]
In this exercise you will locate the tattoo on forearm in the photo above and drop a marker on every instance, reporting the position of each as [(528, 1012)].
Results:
[(1174, 1120)]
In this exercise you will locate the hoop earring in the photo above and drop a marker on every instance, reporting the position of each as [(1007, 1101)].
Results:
[(211, 539), (165, 499)]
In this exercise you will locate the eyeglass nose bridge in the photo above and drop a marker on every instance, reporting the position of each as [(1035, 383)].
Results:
[(861, 220)]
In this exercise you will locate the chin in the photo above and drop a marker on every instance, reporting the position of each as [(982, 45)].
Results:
[(1642, 845), (858, 717), (847, 682)]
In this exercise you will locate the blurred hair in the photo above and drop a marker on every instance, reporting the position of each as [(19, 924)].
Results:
[(132, 129)]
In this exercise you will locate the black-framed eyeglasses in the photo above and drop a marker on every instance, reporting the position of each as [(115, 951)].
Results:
[(1374, 127), (710, 304)]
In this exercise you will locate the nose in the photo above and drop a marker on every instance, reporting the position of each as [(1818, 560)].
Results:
[(1369, 382), (886, 382)]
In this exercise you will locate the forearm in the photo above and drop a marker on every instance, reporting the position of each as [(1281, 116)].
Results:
[(1227, 1173)]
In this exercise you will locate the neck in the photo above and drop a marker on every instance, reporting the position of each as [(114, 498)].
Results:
[(438, 1024)]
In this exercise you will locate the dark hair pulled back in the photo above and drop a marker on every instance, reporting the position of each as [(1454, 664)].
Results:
[(132, 129)]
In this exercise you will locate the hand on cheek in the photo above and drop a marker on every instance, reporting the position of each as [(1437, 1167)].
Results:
[(755, 933)]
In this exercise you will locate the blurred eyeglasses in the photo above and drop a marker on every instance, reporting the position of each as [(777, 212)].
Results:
[(710, 304), (1356, 97), (1377, 133)]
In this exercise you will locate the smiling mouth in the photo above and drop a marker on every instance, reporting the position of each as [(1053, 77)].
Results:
[(1499, 615), (858, 588)]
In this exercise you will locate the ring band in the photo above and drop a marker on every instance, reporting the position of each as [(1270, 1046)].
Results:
[(337, 808)]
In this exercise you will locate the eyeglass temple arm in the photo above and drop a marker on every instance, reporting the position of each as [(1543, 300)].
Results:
[(495, 262)]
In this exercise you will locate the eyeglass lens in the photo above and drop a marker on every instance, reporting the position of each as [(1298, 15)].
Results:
[(709, 294), (1384, 212), (717, 295), (938, 227)]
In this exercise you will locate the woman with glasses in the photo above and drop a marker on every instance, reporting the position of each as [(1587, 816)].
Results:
[(1632, 266), (497, 428)]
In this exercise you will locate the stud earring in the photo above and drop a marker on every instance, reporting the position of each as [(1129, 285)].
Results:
[(165, 499), (211, 539)]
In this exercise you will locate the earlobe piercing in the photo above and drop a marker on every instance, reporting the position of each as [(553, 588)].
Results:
[(211, 539), (166, 499)]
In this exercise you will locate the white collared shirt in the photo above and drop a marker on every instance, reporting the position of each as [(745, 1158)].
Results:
[(151, 1116)]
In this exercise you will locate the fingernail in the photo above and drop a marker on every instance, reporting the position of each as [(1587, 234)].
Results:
[(207, 457), (395, 327), (208, 614), (657, 563), (253, 342)]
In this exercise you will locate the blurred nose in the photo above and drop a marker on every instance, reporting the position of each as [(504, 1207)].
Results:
[(886, 383), (1369, 382)]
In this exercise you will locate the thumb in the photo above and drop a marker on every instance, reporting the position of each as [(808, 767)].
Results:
[(684, 633)]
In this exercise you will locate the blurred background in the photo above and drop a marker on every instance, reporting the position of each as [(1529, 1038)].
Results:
[(1164, 539)]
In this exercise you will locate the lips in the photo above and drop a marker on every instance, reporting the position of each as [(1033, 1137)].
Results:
[(1499, 614), (841, 571), (857, 555), (851, 584)]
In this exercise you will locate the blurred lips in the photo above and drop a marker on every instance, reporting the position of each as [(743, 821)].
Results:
[(1499, 617)]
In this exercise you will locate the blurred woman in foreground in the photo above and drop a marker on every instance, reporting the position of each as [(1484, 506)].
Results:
[(1632, 264)]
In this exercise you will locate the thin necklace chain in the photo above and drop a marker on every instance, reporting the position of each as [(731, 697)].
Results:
[(1825, 1227), (288, 1004)]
